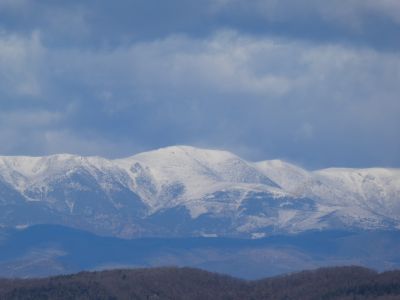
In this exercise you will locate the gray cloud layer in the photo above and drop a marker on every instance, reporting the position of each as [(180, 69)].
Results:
[(105, 23), (307, 81)]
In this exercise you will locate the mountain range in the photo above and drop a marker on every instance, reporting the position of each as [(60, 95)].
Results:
[(183, 191)]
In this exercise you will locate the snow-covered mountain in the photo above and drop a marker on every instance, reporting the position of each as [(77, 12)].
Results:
[(186, 191)]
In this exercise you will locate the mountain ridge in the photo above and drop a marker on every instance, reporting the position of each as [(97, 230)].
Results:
[(188, 191), (189, 283), (43, 250)]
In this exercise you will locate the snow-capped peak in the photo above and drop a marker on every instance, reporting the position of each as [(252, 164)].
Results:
[(204, 182), (196, 171), (290, 177), (188, 163)]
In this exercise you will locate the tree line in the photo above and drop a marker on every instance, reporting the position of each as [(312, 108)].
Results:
[(174, 283)]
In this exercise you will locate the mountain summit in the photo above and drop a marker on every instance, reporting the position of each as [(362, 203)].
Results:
[(187, 191)]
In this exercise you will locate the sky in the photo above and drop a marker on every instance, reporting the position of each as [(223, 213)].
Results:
[(313, 82)]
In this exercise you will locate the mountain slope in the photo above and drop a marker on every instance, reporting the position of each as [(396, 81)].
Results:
[(187, 191), (369, 196)]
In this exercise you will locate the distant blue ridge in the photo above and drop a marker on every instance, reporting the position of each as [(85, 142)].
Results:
[(87, 251)]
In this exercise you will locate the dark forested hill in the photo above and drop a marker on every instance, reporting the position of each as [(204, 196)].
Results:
[(186, 283)]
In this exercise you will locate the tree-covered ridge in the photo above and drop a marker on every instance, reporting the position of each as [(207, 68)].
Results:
[(187, 283)]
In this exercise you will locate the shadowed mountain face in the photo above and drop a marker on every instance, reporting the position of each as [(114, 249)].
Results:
[(185, 283), (189, 192), (45, 250)]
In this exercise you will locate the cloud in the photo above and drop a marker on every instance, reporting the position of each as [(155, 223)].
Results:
[(107, 24), (309, 81), (286, 98), (335, 9), (13, 4), (20, 60), (29, 119), (305, 131), (356, 22)]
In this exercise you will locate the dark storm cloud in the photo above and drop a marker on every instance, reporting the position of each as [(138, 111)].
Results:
[(308, 81)]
